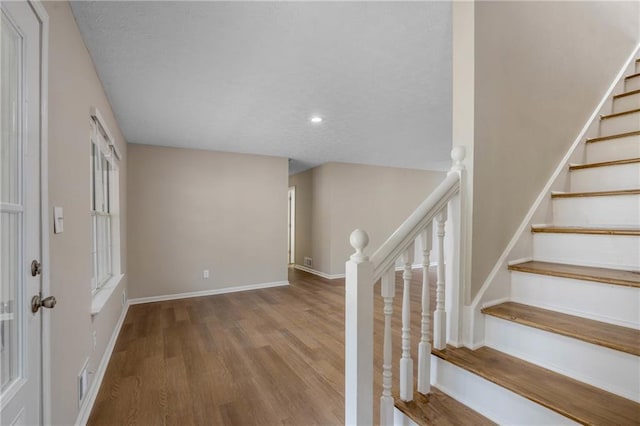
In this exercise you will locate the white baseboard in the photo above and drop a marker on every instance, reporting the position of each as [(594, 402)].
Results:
[(90, 398), (494, 302), (211, 292), (318, 273), (521, 260)]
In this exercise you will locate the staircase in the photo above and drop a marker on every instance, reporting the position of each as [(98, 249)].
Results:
[(566, 347)]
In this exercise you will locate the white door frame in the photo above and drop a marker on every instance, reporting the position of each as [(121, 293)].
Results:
[(43, 17), (292, 224)]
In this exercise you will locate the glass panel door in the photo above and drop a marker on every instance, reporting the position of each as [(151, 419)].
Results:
[(11, 206)]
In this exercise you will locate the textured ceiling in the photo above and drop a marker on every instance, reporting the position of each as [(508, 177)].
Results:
[(247, 76)]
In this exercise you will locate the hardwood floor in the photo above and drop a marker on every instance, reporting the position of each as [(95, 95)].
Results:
[(273, 356)]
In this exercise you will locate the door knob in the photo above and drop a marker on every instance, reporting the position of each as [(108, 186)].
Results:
[(37, 302)]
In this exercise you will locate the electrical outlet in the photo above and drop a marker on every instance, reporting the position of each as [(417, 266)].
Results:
[(95, 339), (205, 273), (124, 297)]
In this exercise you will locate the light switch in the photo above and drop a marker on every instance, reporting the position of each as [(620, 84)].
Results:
[(58, 220)]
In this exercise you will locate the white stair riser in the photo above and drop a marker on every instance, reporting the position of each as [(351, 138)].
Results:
[(615, 149), (626, 103), (637, 67), (492, 401), (606, 178), (608, 251), (620, 124), (631, 84), (614, 371), (400, 419), (613, 304), (618, 210)]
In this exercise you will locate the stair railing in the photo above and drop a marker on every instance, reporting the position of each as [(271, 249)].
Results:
[(362, 272)]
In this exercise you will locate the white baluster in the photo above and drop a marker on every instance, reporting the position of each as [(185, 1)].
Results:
[(424, 348), (388, 291), (359, 334), (406, 363), (440, 315)]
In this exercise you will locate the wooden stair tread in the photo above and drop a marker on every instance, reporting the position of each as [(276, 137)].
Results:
[(586, 273), (573, 399), (613, 137), (583, 230), (618, 114), (632, 76), (611, 336), (446, 411), (604, 164), (595, 194), (622, 95)]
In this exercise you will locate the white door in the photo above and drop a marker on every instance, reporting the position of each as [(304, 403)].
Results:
[(20, 222)]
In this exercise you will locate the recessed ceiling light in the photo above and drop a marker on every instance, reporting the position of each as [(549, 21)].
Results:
[(316, 119)]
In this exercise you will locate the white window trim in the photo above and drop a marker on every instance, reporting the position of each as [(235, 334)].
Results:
[(101, 294)]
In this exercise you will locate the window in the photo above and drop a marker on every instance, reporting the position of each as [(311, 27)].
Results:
[(105, 229)]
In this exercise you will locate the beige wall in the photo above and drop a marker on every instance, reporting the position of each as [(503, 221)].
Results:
[(74, 88), (540, 70), (349, 196), (191, 210)]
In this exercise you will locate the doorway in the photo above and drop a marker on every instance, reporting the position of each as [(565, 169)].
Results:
[(291, 227), (23, 226)]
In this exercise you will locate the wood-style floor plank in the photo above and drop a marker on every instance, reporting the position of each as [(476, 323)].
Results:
[(604, 163), (576, 400), (633, 232), (612, 336), (587, 273), (613, 137), (263, 357), (615, 193)]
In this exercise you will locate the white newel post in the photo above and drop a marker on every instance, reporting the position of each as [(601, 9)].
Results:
[(440, 315), (455, 252), (388, 292), (406, 363), (424, 347), (359, 333)]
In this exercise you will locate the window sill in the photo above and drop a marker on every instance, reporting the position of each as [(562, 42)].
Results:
[(101, 296)]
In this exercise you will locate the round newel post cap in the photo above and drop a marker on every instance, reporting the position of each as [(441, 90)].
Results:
[(458, 154), (359, 241)]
